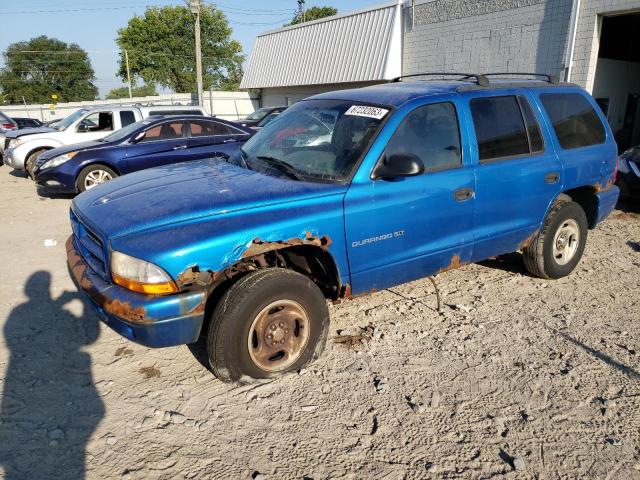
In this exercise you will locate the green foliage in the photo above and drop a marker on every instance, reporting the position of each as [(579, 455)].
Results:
[(43, 66), (123, 92), (314, 13), (161, 49)]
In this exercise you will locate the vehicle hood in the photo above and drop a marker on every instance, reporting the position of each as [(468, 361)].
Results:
[(76, 147), (28, 131), (185, 191)]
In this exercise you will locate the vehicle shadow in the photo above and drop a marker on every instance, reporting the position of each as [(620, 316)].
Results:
[(52, 195), (49, 406), (628, 371), (18, 173), (509, 262)]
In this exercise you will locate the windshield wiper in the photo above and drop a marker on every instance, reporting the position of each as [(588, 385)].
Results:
[(283, 166)]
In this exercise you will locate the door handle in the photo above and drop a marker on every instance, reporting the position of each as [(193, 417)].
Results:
[(552, 177), (180, 147), (463, 194), (229, 140)]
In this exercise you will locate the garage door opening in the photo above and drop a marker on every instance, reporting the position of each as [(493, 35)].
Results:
[(617, 81)]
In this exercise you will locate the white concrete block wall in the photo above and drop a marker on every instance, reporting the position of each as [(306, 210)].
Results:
[(227, 105), (487, 36)]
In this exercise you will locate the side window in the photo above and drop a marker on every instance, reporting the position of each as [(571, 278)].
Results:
[(431, 133), (222, 129), (164, 131), (499, 127), (96, 122), (536, 144), (574, 120), (201, 128), (127, 118)]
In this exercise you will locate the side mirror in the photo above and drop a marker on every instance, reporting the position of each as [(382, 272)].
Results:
[(139, 136), (398, 165), (83, 127)]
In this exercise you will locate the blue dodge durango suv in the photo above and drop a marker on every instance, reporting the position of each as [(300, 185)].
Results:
[(344, 193)]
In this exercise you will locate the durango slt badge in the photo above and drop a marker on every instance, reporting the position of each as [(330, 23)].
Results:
[(379, 238)]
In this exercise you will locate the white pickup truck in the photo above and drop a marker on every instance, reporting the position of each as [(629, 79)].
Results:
[(21, 148)]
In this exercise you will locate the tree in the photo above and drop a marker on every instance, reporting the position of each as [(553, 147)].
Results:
[(161, 49), (123, 92), (314, 13), (43, 66)]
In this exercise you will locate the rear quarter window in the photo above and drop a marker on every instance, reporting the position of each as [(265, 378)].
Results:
[(574, 120)]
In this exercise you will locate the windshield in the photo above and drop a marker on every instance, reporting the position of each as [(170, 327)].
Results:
[(321, 139), (67, 121), (257, 115), (124, 132)]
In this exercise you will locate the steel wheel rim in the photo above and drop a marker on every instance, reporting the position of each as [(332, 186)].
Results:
[(278, 335), (566, 241), (96, 177)]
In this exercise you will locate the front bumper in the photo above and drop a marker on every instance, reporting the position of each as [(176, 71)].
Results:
[(153, 321), (11, 159), (605, 203), (55, 180)]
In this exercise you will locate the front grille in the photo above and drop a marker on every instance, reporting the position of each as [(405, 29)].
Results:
[(90, 246)]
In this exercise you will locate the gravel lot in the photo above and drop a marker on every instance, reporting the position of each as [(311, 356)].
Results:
[(516, 377)]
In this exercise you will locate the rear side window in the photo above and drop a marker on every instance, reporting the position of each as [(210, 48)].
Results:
[(431, 133), (127, 117), (500, 128), (222, 129), (201, 129), (574, 120), (533, 129)]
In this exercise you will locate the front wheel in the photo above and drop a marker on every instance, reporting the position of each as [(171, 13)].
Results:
[(30, 162), (268, 323), (559, 245), (94, 175)]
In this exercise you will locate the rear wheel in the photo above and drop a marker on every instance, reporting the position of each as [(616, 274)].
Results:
[(559, 245), (94, 175), (268, 323)]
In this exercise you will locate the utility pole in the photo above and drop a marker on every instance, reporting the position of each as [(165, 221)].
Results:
[(195, 9), (126, 59), (301, 12)]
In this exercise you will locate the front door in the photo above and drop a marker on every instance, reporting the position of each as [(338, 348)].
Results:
[(407, 228), (162, 144)]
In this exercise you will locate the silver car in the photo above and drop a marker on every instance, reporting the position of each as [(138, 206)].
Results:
[(6, 125)]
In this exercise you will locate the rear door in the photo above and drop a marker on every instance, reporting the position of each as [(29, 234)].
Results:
[(518, 173), (211, 138), (163, 143)]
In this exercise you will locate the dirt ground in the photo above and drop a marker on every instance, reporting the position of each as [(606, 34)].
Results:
[(516, 377)]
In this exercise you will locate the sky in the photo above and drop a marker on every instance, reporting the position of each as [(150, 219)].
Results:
[(93, 24)]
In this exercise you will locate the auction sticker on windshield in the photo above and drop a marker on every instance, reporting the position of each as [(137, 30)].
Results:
[(364, 111)]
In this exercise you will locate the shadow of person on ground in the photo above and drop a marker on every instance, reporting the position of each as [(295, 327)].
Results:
[(49, 406)]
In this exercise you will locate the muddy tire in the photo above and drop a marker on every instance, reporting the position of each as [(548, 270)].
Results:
[(30, 162), (268, 323), (559, 245), (94, 175)]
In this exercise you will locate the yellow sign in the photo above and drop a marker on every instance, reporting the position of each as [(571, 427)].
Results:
[(54, 96)]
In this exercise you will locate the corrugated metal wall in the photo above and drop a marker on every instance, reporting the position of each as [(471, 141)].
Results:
[(348, 48)]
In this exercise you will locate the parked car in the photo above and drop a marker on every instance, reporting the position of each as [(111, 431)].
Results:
[(24, 122), (253, 119), (144, 144), (6, 123), (265, 121), (52, 123), (22, 150), (419, 178), (629, 173)]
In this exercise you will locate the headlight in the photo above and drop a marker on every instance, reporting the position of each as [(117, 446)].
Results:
[(59, 160), (140, 276), (16, 142)]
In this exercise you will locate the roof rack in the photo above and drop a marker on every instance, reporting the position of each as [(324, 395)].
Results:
[(552, 79), (481, 80)]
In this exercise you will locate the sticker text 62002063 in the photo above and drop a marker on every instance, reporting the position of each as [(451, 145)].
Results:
[(366, 111)]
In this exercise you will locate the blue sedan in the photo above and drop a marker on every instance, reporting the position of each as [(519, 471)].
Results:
[(149, 143)]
